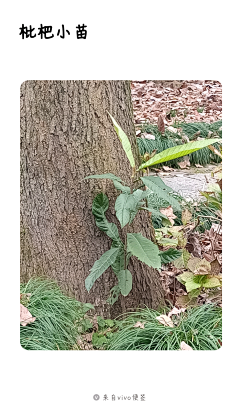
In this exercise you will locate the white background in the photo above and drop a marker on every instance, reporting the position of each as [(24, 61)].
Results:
[(126, 40)]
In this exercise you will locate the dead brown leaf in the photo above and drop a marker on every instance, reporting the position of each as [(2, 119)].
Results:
[(167, 169), (25, 316), (139, 324), (176, 310), (186, 216), (185, 347), (165, 320), (169, 213)]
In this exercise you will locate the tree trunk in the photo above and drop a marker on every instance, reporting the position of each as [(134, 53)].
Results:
[(66, 134)]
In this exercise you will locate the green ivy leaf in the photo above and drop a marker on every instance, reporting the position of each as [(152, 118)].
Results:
[(125, 281), (100, 266), (144, 249)]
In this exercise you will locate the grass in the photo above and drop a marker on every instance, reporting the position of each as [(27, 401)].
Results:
[(201, 211), (170, 139), (57, 317), (199, 327)]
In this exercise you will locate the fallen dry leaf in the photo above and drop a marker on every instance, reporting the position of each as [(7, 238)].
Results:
[(167, 169), (169, 213), (25, 316), (198, 165), (139, 324), (186, 216), (148, 136), (185, 347), (176, 310), (158, 97), (165, 320)]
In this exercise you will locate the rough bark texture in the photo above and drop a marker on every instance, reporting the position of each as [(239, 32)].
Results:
[(66, 134)]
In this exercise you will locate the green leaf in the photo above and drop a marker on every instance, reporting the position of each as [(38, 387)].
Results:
[(87, 307), (192, 285), (125, 281), (169, 255), (124, 140), (120, 187), (143, 249), (184, 277), (114, 294), (105, 176), (182, 261), (119, 263), (109, 322), (99, 207), (178, 151), (165, 241), (211, 281), (124, 205), (157, 181), (158, 190), (100, 266)]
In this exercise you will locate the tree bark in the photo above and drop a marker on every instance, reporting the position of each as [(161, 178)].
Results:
[(66, 134)]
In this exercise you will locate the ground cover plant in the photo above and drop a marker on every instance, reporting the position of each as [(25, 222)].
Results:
[(57, 316), (200, 328)]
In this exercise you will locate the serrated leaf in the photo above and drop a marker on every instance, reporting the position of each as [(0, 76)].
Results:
[(178, 151), (99, 207), (122, 212), (120, 187), (143, 249), (169, 255), (125, 281), (158, 190), (100, 266), (124, 140), (104, 176)]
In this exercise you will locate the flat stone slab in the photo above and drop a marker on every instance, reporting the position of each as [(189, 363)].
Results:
[(188, 182)]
